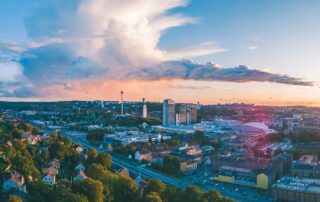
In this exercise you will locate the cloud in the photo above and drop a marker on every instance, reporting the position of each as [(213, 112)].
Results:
[(10, 71), (188, 70), (75, 41), (189, 87), (253, 47)]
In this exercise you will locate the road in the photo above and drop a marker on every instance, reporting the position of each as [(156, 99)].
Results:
[(227, 190), (137, 169)]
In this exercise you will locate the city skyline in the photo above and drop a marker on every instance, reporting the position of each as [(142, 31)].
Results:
[(263, 52)]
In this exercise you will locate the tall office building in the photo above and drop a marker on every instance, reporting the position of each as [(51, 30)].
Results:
[(169, 113), (144, 108), (187, 115)]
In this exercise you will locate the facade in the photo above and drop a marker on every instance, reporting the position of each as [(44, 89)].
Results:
[(143, 156), (296, 190), (186, 115), (188, 167), (245, 177), (307, 167), (169, 113)]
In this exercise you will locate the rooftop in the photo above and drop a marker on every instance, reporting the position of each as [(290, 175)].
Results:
[(296, 184)]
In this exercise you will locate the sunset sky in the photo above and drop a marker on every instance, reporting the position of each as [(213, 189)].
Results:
[(212, 51)]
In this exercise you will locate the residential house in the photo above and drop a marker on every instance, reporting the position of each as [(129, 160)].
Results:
[(80, 176), (50, 179), (188, 166), (16, 182), (80, 166), (121, 170), (143, 156), (79, 149)]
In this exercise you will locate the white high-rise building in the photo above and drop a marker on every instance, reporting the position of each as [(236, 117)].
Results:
[(144, 109)]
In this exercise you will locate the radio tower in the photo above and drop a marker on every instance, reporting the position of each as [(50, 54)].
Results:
[(121, 103)]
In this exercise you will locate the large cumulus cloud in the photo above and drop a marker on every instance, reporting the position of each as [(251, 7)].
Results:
[(100, 40)]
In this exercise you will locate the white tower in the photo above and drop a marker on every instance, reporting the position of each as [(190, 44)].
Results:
[(121, 103), (144, 109)]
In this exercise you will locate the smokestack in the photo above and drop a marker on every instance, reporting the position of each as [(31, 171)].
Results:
[(121, 103)]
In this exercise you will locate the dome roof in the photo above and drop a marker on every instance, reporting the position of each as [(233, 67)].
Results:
[(259, 125)]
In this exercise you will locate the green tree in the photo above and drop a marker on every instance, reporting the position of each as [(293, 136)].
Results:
[(71, 197), (58, 150), (96, 171), (213, 196), (92, 155), (152, 197), (104, 159), (97, 134), (92, 189), (154, 186), (191, 194), (13, 198), (17, 133), (171, 165), (125, 189)]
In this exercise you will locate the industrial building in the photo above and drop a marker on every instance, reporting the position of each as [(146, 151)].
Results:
[(296, 190)]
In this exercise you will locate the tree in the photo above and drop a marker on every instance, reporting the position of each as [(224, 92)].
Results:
[(17, 133), (171, 164), (25, 165), (13, 198), (25, 127), (170, 194), (154, 186), (152, 197), (104, 159), (212, 196), (191, 194), (92, 189), (92, 155), (96, 171), (57, 150), (125, 189), (97, 134), (71, 197)]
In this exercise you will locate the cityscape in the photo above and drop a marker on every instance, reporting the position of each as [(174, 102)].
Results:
[(115, 101)]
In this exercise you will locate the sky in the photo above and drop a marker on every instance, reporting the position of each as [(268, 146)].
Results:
[(211, 51)]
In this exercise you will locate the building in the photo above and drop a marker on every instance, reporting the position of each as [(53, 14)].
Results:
[(16, 182), (186, 115), (80, 166), (50, 179), (296, 190), (188, 166), (147, 156), (80, 176), (246, 177), (144, 109), (306, 167), (169, 113)]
